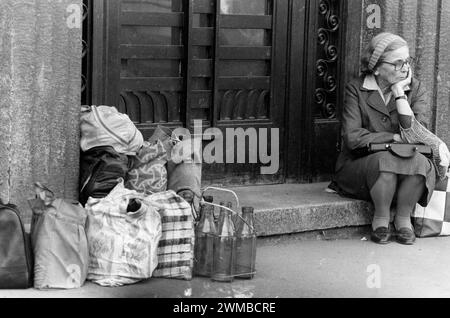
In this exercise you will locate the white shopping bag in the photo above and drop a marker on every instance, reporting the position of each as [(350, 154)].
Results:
[(122, 244)]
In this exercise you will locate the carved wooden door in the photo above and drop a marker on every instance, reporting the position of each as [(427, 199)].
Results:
[(250, 64), (170, 62)]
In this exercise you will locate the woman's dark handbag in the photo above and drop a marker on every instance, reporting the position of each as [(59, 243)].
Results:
[(16, 260), (401, 150)]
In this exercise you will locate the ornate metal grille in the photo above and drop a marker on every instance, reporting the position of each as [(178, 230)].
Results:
[(86, 53), (327, 59)]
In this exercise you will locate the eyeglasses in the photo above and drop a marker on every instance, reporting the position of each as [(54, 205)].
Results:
[(400, 63)]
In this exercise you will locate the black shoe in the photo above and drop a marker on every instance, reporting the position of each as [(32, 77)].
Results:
[(405, 236), (381, 235)]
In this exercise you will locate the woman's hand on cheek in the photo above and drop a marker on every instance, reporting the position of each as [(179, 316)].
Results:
[(398, 89)]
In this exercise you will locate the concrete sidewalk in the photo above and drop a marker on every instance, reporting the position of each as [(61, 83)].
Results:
[(320, 249), (292, 267)]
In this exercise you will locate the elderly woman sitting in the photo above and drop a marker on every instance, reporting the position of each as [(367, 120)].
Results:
[(376, 106)]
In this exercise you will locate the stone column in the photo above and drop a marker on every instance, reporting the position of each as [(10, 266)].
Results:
[(442, 114), (40, 80)]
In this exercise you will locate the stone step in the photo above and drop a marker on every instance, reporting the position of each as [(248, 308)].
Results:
[(298, 208)]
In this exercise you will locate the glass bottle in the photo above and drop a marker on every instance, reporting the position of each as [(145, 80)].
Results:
[(210, 199), (205, 232), (217, 215), (224, 249), (245, 259), (234, 216)]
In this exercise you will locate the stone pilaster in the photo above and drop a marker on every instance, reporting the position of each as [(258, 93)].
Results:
[(442, 113), (40, 98)]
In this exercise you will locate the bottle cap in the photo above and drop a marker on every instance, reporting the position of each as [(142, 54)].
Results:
[(247, 209), (208, 198)]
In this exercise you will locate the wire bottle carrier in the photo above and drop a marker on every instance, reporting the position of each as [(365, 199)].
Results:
[(228, 250)]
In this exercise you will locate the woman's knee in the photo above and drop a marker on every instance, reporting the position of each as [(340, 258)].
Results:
[(383, 190), (415, 180), (385, 182), (387, 178), (411, 190)]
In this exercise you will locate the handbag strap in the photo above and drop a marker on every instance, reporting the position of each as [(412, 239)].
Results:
[(99, 118)]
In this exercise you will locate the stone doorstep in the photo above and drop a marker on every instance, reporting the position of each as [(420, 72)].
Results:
[(299, 208)]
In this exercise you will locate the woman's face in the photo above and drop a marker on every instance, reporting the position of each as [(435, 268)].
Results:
[(387, 72)]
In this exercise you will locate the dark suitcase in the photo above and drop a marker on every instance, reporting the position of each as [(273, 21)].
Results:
[(16, 260)]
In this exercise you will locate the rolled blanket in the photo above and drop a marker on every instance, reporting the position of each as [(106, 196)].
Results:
[(419, 134)]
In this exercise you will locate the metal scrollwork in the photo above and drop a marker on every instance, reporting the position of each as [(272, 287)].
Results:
[(327, 58), (85, 52)]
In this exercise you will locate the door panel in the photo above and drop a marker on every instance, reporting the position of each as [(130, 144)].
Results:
[(249, 93), (151, 53), (315, 88), (170, 62)]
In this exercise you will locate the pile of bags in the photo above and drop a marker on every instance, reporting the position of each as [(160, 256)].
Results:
[(113, 148), (132, 221), (119, 169)]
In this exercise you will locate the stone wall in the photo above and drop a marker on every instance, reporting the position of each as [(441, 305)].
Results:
[(425, 24), (40, 71)]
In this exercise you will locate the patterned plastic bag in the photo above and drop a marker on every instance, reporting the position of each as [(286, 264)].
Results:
[(434, 219), (149, 173), (176, 246), (123, 234), (419, 134)]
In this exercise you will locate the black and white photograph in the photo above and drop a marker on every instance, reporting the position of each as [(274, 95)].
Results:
[(224, 154)]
